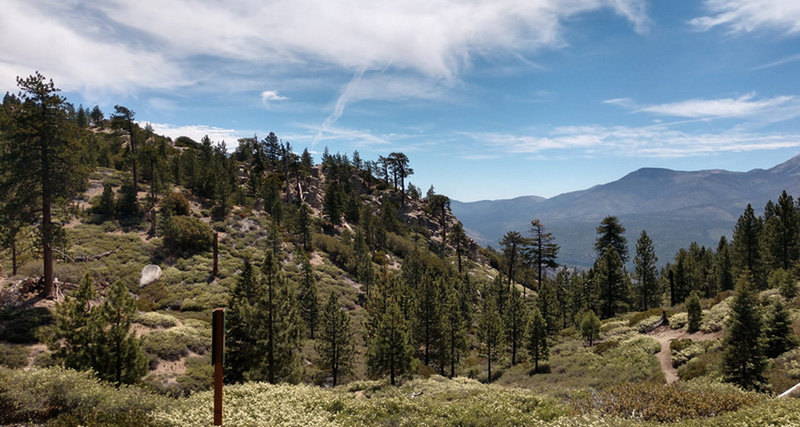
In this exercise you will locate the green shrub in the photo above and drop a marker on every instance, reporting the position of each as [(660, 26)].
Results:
[(174, 343), (645, 315), (75, 398), (656, 402), (13, 356), (187, 234), (678, 320), (716, 317), (175, 204), (692, 369), (340, 254), (601, 347), (156, 320), (22, 324)]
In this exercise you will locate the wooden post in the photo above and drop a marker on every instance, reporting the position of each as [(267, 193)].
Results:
[(216, 256), (217, 352)]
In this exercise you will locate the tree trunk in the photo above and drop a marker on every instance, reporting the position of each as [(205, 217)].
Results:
[(452, 353), (215, 269), (489, 359), (270, 337), (458, 253), (47, 241), (14, 257)]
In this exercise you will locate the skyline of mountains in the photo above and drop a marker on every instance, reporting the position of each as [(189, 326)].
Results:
[(675, 207)]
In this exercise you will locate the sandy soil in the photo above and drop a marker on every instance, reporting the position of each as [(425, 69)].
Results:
[(665, 335)]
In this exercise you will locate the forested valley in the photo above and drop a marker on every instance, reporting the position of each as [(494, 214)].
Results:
[(351, 295)]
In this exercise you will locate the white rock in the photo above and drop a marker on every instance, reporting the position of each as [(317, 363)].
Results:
[(150, 274)]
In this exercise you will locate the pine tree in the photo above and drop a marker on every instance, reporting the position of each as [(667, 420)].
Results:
[(38, 165), (513, 244), (303, 226), (490, 334), (280, 339), (97, 116), (439, 207), (516, 319), (124, 118), (694, 312), (611, 235), (428, 323), (778, 335), (454, 326), (389, 349), (309, 305), (81, 119), (125, 360), (646, 282), (785, 282), (244, 323), (590, 327), (333, 203), (746, 247), (106, 206), (335, 342), (610, 277), (537, 339), (458, 239), (78, 333), (543, 250), (743, 360), (722, 265), (780, 234)]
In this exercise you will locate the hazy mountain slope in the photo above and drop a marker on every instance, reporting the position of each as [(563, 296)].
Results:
[(676, 208)]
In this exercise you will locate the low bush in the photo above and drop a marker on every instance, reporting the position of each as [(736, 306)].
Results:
[(175, 204), (22, 323), (174, 343), (656, 402), (678, 320), (692, 369), (66, 397), (13, 356), (156, 320), (187, 234)]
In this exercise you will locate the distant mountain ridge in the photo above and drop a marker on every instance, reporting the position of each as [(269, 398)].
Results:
[(675, 207)]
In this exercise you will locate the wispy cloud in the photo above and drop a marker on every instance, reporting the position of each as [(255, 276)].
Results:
[(119, 45), (775, 109), (647, 141), (750, 15), (784, 60), (269, 96)]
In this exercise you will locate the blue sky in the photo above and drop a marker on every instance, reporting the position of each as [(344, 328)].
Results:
[(489, 100)]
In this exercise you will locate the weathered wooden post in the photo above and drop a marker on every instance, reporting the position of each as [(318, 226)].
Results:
[(216, 256), (217, 359)]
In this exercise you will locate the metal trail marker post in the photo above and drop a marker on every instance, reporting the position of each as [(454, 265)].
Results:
[(217, 359)]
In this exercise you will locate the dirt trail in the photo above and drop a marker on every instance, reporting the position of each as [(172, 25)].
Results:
[(664, 335)]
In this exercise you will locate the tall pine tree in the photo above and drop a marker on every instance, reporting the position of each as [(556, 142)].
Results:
[(646, 282), (335, 342), (743, 360)]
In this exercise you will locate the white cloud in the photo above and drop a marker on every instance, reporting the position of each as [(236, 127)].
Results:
[(743, 106), (647, 141), (770, 110), (76, 55), (122, 45), (751, 15), (268, 96), (197, 132)]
